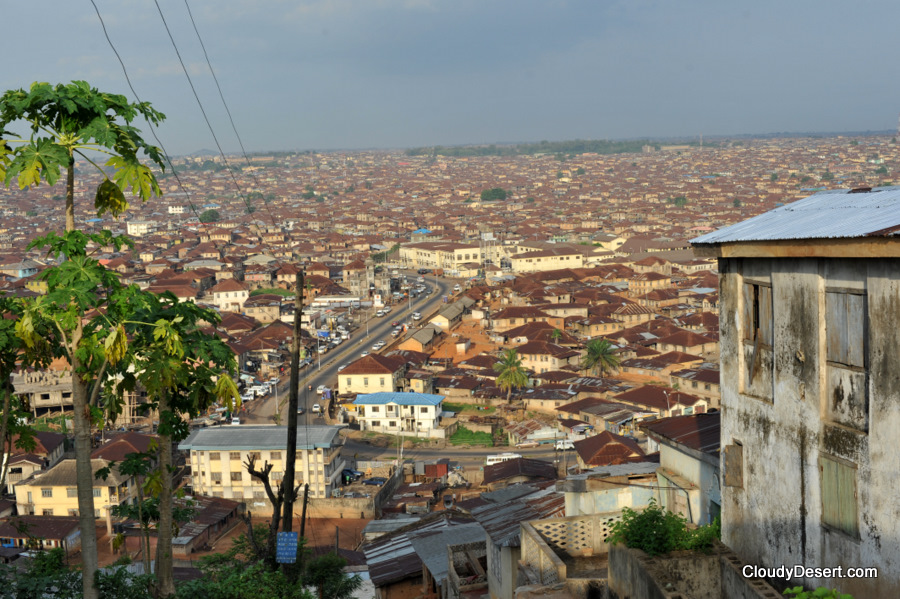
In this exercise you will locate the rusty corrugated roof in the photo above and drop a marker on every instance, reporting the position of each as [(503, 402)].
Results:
[(701, 432)]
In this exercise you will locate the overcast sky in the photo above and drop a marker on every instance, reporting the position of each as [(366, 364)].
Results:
[(324, 74)]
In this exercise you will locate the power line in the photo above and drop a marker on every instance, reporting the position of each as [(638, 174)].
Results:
[(208, 124), (149, 124)]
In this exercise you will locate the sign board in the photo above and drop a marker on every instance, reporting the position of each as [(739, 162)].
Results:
[(286, 547)]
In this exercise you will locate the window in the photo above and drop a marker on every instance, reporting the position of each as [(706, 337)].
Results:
[(838, 481), (423, 410), (365, 381), (216, 477), (757, 332), (237, 494), (375, 409), (213, 456), (234, 455), (845, 326), (376, 423), (392, 424), (259, 494), (47, 512), (97, 493), (46, 492), (73, 513), (348, 382), (734, 465), (275, 455), (758, 321), (236, 477), (255, 455), (382, 381), (72, 492)]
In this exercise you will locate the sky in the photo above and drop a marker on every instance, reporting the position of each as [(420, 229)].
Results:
[(354, 74)]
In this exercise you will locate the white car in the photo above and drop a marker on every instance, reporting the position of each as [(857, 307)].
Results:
[(457, 288), (380, 313), (320, 389), (364, 354), (417, 316), (341, 367), (316, 409), (235, 420)]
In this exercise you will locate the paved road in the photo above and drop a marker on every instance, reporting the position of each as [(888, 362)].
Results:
[(325, 368)]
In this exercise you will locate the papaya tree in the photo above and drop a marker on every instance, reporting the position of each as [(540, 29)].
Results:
[(79, 319), (185, 370), (75, 119)]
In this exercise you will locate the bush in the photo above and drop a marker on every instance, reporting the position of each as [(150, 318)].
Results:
[(656, 531)]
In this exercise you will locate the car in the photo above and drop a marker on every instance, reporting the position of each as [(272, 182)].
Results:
[(316, 409), (525, 444), (337, 341), (301, 410), (380, 313), (396, 323), (387, 309), (375, 480), (396, 332), (564, 444), (457, 288), (320, 389), (420, 280), (235, 420), (342, 366), (364, 354), (351, 474), (417, 316), (379, 345), (323, 349)]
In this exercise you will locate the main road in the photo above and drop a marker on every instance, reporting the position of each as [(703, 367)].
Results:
[(323, 371)]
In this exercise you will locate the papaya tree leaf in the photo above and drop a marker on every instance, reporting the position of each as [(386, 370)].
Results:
[(110, 198)]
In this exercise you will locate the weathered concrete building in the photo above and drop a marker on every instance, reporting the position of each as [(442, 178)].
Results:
[(810, 297)]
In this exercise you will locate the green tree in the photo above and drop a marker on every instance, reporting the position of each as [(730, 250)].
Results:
[(326, 574), (579, 171), (600, 357), (493, 194), (70, 119), (10, 404), (679, 201), (184, 370), (209, 216), (773, 177), (736, 202), (79, 319), (556, 335), (510, 372)]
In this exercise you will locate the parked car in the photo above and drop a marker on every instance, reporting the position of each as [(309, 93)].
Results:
[(457, 288), (396, 332), (320, 389), (564, 444), (375, 480), (364, 354), (525, 444), (235, 420), (341, 367), (417, 316), (316, 409), (380, 313)]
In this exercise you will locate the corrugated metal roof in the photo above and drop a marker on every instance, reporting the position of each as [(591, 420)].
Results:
[(698, 431), (402, 399), (431, 546), (502, 521), (833, 214), (254, 437)]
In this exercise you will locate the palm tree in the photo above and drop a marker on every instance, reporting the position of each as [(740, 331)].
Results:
[(556, 335), (600, 358), (510, 372)]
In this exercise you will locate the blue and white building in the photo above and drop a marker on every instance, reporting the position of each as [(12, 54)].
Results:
[(412, 414)]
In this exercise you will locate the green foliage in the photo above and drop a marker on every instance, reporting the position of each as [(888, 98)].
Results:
[(511, 372), (773, 177), (600, 357), (464, 436), (656, 531), (493, 194), (274, 290), (679, 201), (209, 216), (464, 407), (819, 593), (881, 170), (229, 579), (736, 203), (326, 574), (579, 171), (74, 118), (380, 257)]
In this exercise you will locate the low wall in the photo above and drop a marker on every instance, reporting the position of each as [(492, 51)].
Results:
[(343, 507), (683, 575)]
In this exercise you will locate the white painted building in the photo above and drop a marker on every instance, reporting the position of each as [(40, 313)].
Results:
[(810, 301), (414, 414)]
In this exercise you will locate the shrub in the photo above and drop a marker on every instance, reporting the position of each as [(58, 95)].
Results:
[(656, 531)]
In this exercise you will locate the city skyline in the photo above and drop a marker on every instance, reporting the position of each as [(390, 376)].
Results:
[(343, 75)]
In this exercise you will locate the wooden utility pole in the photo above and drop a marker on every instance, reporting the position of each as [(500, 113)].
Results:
[(293, 402)]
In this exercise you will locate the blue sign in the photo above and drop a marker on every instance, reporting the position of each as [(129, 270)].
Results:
[(286, 547), (325, 334)]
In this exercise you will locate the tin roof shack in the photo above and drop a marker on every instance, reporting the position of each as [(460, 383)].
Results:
[(501, 515), (688, 464), (41, 532), (609, 488), (395, 567), (519, 470), (213, 517), (810, 394)]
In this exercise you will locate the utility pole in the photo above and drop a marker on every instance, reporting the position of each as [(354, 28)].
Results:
[(293, 402)]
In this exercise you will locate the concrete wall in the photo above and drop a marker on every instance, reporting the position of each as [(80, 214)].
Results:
[(704, 479), (799, 408)]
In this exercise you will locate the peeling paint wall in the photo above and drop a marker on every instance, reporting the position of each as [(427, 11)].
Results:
[(818, 408)]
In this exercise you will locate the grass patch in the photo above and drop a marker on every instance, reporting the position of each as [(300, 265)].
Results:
[(464, 436), (275, 290), (464, 407)]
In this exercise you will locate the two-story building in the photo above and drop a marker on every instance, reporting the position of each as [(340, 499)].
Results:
[(810, 357), (371, 374), (228, 295), (411, 414)]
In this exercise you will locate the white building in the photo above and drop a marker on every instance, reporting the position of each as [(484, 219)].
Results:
[(810, 298), (218, 456), (139, 228), (415, 414), (228, 295)]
